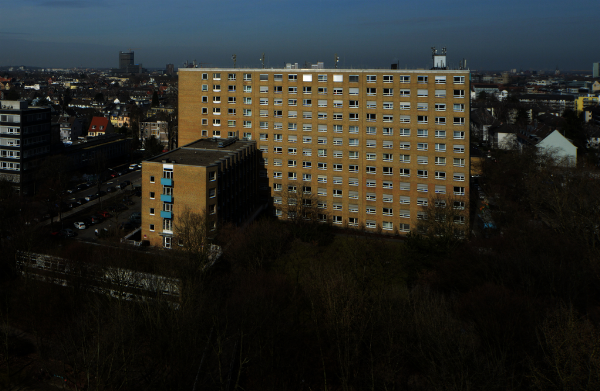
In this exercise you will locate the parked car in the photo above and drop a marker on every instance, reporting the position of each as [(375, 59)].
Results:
[(96, 219), (79, 225), (104, 214), (91, 197), (67, 232)]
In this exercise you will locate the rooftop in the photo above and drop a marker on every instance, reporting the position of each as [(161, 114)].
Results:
[(203, 152)]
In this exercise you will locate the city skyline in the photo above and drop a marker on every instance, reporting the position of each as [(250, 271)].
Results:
[(535, 35)]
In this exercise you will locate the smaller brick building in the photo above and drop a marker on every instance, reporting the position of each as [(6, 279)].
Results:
[(213, 176)]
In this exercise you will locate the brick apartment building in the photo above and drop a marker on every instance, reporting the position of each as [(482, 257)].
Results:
[(372, 146), (213, 176)]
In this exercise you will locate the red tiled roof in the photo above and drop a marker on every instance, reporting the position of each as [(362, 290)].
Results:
[(98, 122)]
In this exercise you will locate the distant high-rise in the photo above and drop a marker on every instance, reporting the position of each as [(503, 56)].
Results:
[(125, 59), (170, 69), (596, 69)]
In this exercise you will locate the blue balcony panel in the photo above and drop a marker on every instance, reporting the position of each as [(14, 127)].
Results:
[(166, 181), (166, 215), (166, 198)]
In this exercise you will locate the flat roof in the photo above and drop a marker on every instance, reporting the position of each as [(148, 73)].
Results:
[(330, 70), (203, 152)]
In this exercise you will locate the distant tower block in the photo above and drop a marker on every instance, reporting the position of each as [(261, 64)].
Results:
[(125, 59), (439, 59), (596, 69)]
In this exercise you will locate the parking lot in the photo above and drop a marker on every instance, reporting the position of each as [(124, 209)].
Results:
[(108, 213)]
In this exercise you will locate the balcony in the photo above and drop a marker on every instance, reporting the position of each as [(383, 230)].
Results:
[(166, 198), (166, 181), (166, 215)]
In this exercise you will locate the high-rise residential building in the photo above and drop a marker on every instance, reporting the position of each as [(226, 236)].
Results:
[(371, 147), (25, 139), (127, 64), (596, 69), (212, 178)]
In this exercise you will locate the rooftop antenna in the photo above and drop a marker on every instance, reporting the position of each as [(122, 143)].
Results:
[(234, 58), (262, 60), (336, 59)]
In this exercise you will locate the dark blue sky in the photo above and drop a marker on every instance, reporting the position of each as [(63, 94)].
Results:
[(529, 34)]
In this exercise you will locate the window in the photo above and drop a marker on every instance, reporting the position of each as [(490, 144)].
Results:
[(440, 175), (322, 166), (247, 77), (278, 101), (440, 93), (459, 135), (422, 119), (459, 149), (371, 143), (307, 77), (404, 158), (339, 103), (307, 164), (459, 190), (307, 90), (422, 160), (292, 139), (371, 170), (212, 193), (371, 130), (338, 167), (422, 174), (405, 145), (440, 147), (216, 76), (277, 186), (322, 140), (322, 178), (321, 192), (353, 168), (216, 122), (388, 92), (458, 162), (292, 176), (440, 161), (338, 141), (353, 78), (231, 88), (388, 105), (405, 119), (231, 123), (353, 181), (292, 77), (337, 180), (422, 202), (322, 103), (277, 150), (337, 192), (422, 147), (371, 224), (205, 76), (459, 80), (322, 90), (264, 101), (404, 79), (277, 162), (440, 189), (322, 115), (371, 156), (277, 175), (216, 99), (353, 91), (371, 210), (371, 78), (338, 128), (371, 91), (388, 157), (388, 211), (204, 88), (422, 79), (459, 107), (264, 77), (292, 126), (322, 153), (371, 183), (337, 206), (405, 200), (388, 131), (388, 144), (388, 170), (264, 125), (338, 91), (440, 107), (388, 118), (307, 102), (205, 99), (422, 106), (422, 187), (371, 104), (338, 116), (306, 139), (459, 93), (278, 113), (440, 134), (459, 205), (247, 101), (422, 133), (405, 93), (440, 80), (440, 120), (371, 117), (458, 176)]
